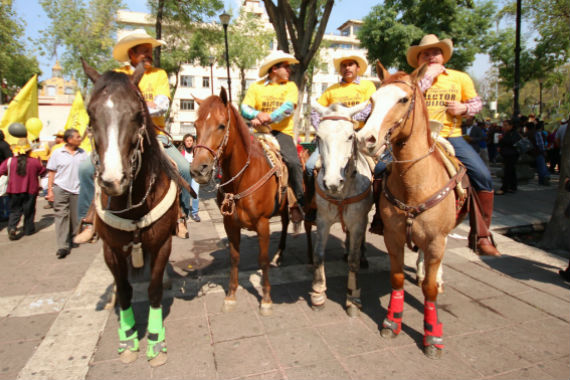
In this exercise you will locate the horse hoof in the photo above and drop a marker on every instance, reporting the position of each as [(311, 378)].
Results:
[(277, 260), (352, 311), (266, 309), (433, 352), (229, 305), (158, 360), (128, 356), (318, 301), (318, 307), (388, 333)]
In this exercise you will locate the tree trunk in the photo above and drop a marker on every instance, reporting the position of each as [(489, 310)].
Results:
[(243, 83), (557, 233), (158, 28), (307, 114)]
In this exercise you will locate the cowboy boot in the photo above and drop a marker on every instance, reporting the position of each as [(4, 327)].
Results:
[(377, 227), (86, 228), (181, 229), (485, 243)]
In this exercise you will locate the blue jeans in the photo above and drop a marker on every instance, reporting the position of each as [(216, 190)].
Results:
[(478, 173), (87, 173), (196, 187)]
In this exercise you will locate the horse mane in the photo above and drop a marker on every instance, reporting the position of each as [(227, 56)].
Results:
[(113, 80)]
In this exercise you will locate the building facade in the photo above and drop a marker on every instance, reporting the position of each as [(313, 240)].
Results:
[(201, 82)]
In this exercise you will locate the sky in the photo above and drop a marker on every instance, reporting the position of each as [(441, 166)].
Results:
[(343, 10)]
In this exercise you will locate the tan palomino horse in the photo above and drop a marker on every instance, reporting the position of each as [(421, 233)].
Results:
[(417, 203)]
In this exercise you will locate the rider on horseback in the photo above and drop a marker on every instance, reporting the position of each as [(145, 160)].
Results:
[(350, 91), (269, 104), (135, 47), (451, 95)]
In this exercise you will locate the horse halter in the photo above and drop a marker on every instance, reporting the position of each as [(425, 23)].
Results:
[(402, 121), (135, 158), (217, 154)]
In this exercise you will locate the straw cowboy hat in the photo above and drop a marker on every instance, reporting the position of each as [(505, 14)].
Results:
[(345, 56), (132, 39), (59, 133), (274, 58), (429, 41), (21, 146)]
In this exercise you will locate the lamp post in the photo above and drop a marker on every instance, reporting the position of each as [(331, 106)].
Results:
[(211, 60), (225, 20)]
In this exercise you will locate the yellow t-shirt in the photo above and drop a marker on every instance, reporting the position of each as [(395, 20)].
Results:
[(41, 152), (153, 82), (267, 97), (348, 94), (447, 86)]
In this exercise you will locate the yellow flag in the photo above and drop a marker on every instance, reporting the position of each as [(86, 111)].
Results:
[(21, 108), (79, 119)]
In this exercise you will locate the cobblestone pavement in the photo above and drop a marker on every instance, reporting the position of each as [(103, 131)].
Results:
[(505, 317)]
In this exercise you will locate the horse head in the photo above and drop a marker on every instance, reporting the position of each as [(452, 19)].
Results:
[(337, 144), (117, 118), (392, 105), (212, 130)]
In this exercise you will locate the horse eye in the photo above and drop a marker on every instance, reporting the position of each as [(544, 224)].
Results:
[(404, 100), (350, 137), (221, 126)]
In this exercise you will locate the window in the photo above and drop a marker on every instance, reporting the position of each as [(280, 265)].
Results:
[(356, 29), (186, 81), (206, 82), (50, 90), (186, 104), (68, 90), (345, 32), (324, 86)]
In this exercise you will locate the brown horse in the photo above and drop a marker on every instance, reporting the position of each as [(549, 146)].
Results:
[(417, 204), (136, 200), (249, 193)]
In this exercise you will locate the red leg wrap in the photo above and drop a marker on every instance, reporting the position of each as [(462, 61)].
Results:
[(393, 320), (433, 328)]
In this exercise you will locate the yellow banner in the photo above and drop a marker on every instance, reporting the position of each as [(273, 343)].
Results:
[(79, 119), (21, 108)]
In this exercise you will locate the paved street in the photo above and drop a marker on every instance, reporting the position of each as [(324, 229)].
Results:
[(503, 318)]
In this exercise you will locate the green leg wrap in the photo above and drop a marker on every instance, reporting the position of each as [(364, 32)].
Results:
[(127, 333), (156, 343)]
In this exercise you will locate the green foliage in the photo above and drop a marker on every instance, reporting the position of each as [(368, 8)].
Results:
[(80, 30), (391, 28), (16, 65)]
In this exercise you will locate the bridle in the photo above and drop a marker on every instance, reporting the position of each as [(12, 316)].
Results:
[(402, 121), (135, 158), (217, 154)]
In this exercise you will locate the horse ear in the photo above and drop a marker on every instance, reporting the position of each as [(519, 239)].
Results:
[(381, 71), (318, 107), (137, 75), (224, 96), (89, 71), (357, 108), (419, 73), (197, 100)]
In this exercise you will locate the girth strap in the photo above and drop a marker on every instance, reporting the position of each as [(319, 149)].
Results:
[(413, 211), (340, 203)]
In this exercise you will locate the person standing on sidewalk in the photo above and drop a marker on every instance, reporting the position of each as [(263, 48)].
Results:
[(5, 153), (23, 187), (510, 156), (188, 153), (269, 104), (63, 189)]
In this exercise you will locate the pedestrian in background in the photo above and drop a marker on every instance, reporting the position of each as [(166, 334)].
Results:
[(188, 153), (23, 187), (510, 155), (63, 189), (5, 153)]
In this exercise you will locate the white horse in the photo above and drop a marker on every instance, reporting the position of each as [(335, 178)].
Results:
[(343, 195)]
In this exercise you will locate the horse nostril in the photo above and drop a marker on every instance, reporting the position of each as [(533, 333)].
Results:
[(371, 140), (203, 168)]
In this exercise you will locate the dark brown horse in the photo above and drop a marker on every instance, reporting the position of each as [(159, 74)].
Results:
[(136, 200), (250, 192)]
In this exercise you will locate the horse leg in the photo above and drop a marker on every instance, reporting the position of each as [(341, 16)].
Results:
[(265, 308), (433, 328), (156, 347), (392, 324), (278, 257), (233, 233), (308, 227), (128, 336), (353, 303), (421, 272), (319, 287)]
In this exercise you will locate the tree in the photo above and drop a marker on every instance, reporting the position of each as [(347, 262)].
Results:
[(80, 30), (299, 26), (16, 66), (391, 28)]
